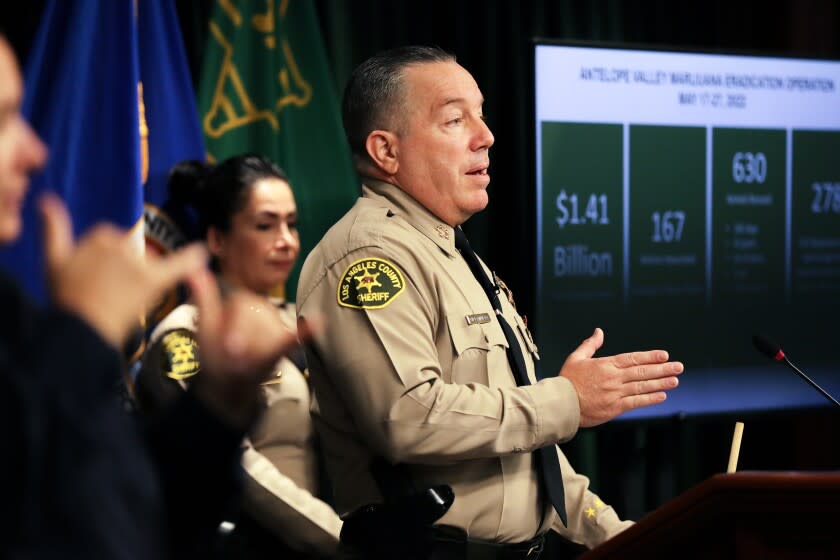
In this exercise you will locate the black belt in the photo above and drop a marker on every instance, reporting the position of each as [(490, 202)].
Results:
[(448, 546)]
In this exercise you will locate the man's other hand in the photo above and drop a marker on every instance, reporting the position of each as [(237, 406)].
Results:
[(612, 385)]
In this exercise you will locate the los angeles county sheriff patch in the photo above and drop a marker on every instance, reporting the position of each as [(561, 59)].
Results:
[(180, 355), (370, 284)]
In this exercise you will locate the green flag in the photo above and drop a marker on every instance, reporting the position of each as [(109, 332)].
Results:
[(266, 88)]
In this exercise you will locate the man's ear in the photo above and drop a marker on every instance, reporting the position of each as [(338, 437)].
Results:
[(215, 242), (381, 146)]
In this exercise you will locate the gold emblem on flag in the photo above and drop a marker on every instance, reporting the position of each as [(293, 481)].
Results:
[(232, 106)]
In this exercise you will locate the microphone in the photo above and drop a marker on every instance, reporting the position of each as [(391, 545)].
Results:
[(773, 351)]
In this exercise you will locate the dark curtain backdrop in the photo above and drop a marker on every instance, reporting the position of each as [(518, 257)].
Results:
[(492, 39), (635, 466)]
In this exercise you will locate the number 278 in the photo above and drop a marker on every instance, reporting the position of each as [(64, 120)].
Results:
[(826, 198)]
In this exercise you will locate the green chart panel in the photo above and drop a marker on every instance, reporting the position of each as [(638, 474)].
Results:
[(581, 250), (748, 181), (667, 213), (816, 217)]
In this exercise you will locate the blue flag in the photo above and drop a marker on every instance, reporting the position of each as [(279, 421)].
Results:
[(174, 132), (107, 89), (81, 98)]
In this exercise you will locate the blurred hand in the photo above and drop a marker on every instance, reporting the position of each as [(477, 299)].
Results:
[(613, 385), (102, 278), (241, 338)]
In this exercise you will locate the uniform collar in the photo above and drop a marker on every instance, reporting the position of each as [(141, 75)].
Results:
[(226, 289), (404, 205)]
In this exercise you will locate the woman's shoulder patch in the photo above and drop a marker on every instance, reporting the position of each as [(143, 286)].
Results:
[(370, 284), (180, 355)]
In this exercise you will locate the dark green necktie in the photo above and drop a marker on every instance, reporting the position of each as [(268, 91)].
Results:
[(547, 462)]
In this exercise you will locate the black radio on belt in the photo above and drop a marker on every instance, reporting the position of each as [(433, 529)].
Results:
[(400, 527)]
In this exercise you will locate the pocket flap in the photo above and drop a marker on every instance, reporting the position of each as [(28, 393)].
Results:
[(494, 334), (465, 336)]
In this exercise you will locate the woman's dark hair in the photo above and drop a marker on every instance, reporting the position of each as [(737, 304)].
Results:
[(218, 192)]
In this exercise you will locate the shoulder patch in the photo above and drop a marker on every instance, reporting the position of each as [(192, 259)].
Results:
[(370, 284), (180, 355)]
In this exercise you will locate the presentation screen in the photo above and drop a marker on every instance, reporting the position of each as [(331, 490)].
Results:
[(687, 201)]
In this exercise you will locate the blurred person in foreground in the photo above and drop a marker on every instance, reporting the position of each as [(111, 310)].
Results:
[(425, 393), (248, 217), (81, 478)]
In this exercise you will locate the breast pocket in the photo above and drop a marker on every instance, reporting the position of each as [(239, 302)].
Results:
[(285, 417), (476, 347)]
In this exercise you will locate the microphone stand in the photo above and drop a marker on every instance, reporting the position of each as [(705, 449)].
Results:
[(801, 374)]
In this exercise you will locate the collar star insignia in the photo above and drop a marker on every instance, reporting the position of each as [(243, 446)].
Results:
[(590, 512)]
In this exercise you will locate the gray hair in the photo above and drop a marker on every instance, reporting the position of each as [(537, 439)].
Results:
[(375, 89)]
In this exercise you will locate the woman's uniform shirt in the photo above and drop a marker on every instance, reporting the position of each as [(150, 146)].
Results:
[(279, 457)]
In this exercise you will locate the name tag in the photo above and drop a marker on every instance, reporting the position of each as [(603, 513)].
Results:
[(478, 318)]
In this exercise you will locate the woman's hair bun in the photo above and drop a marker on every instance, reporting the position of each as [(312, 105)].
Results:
[(185, 181)]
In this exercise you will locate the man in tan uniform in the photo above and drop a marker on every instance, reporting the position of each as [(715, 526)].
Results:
[(414, 365)]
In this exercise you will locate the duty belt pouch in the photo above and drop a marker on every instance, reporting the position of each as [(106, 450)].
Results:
[(402, 526)]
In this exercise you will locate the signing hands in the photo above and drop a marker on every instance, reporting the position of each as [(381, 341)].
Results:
[(101, 278), (611, 385), (241, 338)]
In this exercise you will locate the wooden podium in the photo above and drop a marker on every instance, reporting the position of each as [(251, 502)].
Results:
[(741, 515)]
